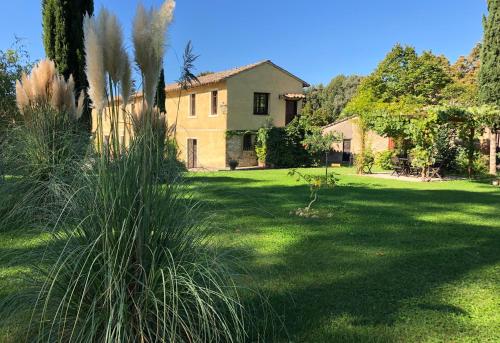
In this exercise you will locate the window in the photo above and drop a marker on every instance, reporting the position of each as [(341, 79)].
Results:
[(214, 103), (261, 103), (192, 105), (248, 142)]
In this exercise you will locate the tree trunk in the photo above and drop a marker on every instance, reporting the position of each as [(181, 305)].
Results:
[(493, 152), (470, 152)]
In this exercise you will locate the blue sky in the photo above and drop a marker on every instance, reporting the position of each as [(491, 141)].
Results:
[(315, 39)]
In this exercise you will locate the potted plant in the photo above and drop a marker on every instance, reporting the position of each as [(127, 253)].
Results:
[(233, 164)]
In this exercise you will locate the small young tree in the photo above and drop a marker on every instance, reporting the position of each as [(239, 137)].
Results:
[(187, 77), (318, 143)]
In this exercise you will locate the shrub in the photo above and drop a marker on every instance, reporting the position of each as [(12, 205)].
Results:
[(282, 147), (479, 162), (233, 164), (383, 159), (43, 147), (364, 161)]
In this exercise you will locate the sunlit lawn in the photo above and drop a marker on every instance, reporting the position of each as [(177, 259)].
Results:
[(396, 261)]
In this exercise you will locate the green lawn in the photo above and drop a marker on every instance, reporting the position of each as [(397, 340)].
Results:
[(396, 261)]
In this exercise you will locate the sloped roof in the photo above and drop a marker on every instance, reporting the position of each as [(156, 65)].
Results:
[(338, 121), (223, 75)]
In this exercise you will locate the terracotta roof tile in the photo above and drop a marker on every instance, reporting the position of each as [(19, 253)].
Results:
[(223, 75)]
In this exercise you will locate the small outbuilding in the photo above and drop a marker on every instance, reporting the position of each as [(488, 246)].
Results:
[(349, 142)]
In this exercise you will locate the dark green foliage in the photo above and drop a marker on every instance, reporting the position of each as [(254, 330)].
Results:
[(324, 104), (160, 96), (63, 38), (383, 159), (233, 164), (187, 78), (284, 149), (13, 62), (489, 75), (463, 91), (404, 74)]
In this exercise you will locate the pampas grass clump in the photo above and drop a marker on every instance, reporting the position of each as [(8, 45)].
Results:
[(133, 259), (42, 149), (44, 86)]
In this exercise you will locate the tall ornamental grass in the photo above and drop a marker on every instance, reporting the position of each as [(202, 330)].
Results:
[(132, 259), (42, 149)]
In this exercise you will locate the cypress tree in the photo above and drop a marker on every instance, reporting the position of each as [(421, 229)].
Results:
[(489, 74), (63, 38), (160, 93)]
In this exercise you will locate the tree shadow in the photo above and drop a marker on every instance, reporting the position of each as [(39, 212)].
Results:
[(384, 250)]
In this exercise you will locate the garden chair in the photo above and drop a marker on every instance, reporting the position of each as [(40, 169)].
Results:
[(397, 167), (368, 168), (436, 170), (412, 170)]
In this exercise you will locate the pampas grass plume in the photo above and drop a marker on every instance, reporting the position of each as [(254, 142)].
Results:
[(113, 61), (22, 99), (95, 63), (80, 106), (126, 79), (45, 86), (149, 31)]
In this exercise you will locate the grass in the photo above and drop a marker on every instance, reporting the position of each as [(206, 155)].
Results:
[(397, 261)]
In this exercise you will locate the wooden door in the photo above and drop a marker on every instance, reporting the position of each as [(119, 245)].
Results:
[(291, 111), (192, 153), (346, 150)]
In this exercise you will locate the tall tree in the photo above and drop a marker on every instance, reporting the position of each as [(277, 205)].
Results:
[(489, 74), (463, 91), (63, 38), (160, 93), (324, 104)]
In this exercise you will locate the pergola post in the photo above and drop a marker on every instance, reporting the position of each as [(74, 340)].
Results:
[(493, 152)]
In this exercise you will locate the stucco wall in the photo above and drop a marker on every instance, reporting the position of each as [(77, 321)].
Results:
[(261, 79), (211, 147), (209, 130), (348, 129), (234, 151), (124, 123), (235, 112)]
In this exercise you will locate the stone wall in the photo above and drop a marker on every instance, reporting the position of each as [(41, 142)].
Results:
[(234, 151)]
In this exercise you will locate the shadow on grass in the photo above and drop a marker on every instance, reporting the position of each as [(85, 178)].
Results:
[(383, 249)]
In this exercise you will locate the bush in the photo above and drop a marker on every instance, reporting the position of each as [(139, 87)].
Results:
[(383, 159), (364, 161), (282, 147), (479, 163), (43, 147), (233, 164)]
